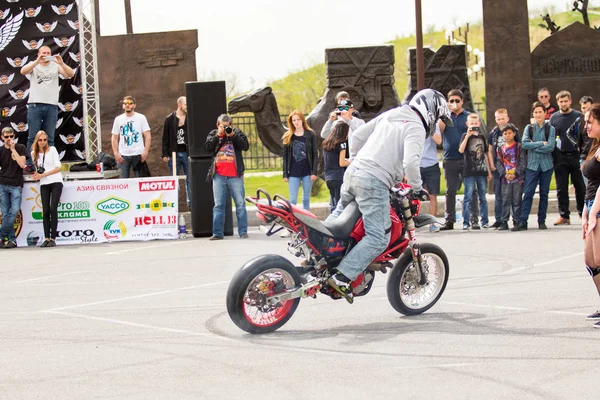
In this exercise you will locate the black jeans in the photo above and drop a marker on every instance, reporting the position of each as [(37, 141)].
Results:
[(50, 198), (335, 189), (568, 165)]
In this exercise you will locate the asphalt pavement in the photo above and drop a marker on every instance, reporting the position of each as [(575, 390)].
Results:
[(147, 320)]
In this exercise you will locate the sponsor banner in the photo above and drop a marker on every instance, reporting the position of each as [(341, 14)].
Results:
[(103, 211)]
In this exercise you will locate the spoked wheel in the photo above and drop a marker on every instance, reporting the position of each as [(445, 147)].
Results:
[(248, 291), (403, 289)]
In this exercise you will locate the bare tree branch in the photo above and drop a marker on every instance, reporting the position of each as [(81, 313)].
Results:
[(583, 10)]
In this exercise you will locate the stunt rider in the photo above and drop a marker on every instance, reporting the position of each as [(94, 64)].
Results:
[(385, 150)]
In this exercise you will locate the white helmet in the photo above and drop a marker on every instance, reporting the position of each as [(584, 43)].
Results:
[(431, 105)]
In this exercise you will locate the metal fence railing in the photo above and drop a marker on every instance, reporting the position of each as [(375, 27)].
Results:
[(257, 157)]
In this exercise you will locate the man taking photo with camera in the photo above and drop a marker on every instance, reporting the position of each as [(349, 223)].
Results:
[(226, 144), (343, 112)]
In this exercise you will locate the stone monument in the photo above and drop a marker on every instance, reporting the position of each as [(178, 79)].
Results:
[(445, 69), (366, 73), (508, 82), (567, 60)]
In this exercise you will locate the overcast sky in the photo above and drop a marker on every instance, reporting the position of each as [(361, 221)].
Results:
[(260, 40)]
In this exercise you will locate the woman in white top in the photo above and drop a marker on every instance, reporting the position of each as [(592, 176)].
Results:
[(47, 171)]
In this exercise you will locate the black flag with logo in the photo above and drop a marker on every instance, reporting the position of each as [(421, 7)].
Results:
[(25, 26)]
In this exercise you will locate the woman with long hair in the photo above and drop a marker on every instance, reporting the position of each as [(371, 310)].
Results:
[(300, 158), (591, 211), (335, 155), (47, 171)]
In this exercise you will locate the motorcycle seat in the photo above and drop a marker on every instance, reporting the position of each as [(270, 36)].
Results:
[(339, 228), (342, 226)]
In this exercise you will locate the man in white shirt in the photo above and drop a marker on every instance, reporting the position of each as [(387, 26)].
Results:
[(42, 106), (130, 138)]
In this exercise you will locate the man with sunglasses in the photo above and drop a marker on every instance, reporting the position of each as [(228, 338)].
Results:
[(454, 160), (343, 112), (130, 139), (42, 105), (544, 98), (12, 162)]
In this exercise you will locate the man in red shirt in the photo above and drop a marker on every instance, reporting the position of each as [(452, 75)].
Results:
[(226, 144)]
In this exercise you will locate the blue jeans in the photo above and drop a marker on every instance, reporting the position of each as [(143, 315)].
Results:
[(224, 186), (126, 167), (588, 205), (40, 117), (294, 186), (532, 179), (373, 199), (470, 182), (10, 204), (497, 196), (182, 164)]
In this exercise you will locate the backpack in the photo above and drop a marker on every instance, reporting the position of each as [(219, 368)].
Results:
[(108, 161)]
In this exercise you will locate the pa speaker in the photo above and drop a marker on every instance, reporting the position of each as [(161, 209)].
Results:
[(203, 202), (205, 102)]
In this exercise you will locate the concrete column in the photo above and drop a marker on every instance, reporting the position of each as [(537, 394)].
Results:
[(508, 80)]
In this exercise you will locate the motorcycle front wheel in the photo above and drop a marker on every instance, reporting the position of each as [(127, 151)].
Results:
[(403, 289), (249, 289)]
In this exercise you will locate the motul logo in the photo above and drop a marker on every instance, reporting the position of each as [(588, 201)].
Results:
[(155, 186), (155, 220)]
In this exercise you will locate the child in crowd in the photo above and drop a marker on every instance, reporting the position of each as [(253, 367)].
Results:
[(511, 164), (335, 151), (477, 171)]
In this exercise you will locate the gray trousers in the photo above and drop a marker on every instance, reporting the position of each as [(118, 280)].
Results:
[(512, 198)]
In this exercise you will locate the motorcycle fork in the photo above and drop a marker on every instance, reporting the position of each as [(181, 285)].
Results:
[(412, 240)]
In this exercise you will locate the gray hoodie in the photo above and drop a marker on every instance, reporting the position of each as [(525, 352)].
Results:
[(390, 147)]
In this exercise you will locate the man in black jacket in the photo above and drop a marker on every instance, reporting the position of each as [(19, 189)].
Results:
[(175, 139), (226, 143)]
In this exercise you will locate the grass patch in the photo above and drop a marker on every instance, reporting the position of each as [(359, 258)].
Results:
[(275, 184)]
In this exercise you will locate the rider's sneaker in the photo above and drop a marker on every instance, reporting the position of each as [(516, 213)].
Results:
[(433, 228), (341, 284)]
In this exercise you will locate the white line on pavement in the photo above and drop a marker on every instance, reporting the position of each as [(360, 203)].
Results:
[(136, 296), (45, 277), (514, 308), (558, 259)]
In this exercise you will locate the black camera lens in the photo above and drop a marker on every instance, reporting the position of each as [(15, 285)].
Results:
[(228, 129), (40, 170)]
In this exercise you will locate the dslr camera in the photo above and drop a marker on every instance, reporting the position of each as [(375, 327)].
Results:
[(40, 169), (228, 129)]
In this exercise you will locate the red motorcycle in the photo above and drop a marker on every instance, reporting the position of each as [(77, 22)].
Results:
[(265, 292)]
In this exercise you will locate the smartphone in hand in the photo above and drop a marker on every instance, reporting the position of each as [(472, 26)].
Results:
[(50, 58)]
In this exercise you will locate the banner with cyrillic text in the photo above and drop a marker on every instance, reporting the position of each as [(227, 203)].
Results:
[(103, 211)]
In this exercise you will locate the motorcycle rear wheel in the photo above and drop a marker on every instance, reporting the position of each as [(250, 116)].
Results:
[(404, 292), (247, 292)]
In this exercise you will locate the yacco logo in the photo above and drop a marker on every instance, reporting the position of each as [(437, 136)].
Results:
[(154, 186), (68, 210), (114, 230), (112, 206)]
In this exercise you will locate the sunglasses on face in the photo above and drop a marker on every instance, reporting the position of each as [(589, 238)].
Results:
[(128, 103), (454, 101), (42, 140), (343, 108), (9, 136)]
